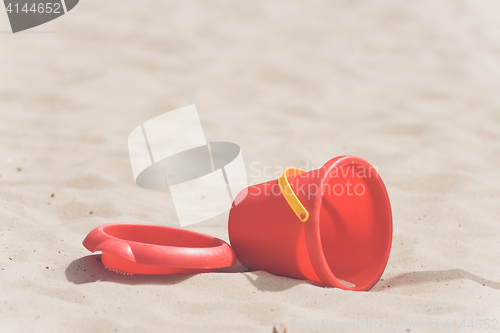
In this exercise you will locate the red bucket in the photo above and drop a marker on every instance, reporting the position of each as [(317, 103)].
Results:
[(332, 225)]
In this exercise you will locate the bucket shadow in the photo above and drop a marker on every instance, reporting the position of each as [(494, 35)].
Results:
[(265, 281), (89, 269), (415, 278)]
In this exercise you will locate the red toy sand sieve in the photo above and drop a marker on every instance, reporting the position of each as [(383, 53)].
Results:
[(150, 249)]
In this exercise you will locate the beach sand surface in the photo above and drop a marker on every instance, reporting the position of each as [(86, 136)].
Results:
[(412, 87)]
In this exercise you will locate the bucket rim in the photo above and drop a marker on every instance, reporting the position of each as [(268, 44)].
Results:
[(313, 233)]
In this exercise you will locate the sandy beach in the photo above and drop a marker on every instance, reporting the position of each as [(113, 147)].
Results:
[(412, 87)]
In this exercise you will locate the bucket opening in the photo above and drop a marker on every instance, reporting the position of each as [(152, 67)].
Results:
[(355, 235)]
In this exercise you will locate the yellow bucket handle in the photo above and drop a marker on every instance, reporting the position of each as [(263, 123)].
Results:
[(290, 196)]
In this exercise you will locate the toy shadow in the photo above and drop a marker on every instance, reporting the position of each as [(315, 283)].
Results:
[(89, 269), (414, 278), (265, 281)]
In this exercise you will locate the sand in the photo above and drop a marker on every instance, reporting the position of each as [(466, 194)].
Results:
[(412, 87)]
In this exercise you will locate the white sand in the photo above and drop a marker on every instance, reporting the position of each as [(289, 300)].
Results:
[(410, 86)]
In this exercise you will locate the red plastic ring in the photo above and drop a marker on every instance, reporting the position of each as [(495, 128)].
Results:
[(151, 249)]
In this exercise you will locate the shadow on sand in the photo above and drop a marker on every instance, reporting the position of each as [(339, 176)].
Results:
[(90, 269), (414, 278)]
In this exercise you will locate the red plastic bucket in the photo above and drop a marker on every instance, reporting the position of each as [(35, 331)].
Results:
[(332, 225)]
